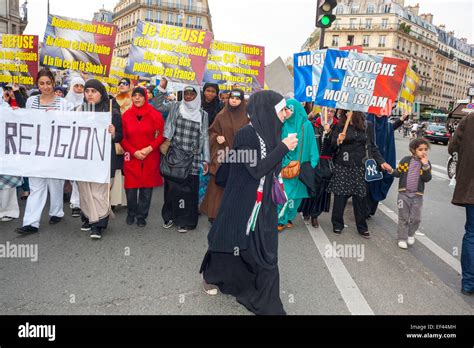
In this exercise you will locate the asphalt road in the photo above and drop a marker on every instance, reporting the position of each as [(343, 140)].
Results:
[(154, 271)]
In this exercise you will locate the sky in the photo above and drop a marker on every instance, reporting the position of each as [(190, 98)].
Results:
[(282, 26)]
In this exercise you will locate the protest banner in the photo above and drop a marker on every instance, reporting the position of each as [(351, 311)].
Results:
[(235, 64), (354, 81), (407, 94), (308, 67), (117, 73), (179, 54), (18, 59), (79, 45), (55, 144), (357, 48)]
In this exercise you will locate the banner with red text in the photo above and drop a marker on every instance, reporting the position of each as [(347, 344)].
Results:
[(18, 59)]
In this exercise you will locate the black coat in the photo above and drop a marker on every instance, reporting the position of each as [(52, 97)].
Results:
[(352, 151), (229, 229)]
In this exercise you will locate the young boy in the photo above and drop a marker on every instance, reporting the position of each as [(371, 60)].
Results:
[(414, 171)]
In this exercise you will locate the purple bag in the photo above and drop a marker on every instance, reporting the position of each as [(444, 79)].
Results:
[(278, 194)]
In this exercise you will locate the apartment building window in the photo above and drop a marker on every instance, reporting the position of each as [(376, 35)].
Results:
[(371, 8), (148, 15), (335, 41), (189, 21), (354, 9), (190, 5), (409, 47), (350, 40), (337, 24), (179, 5), (384, 22), (382, 41), (340, 9), (365, 43), (170, 18), (149, 2), (158, 16), (387, 8), (199, 22), (352, 23), (179, 20), (368, 23)]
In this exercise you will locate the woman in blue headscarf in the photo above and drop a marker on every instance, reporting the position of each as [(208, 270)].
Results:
[(307, 151), (385, 140)]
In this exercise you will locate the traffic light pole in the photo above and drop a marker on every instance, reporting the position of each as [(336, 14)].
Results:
[(321, 39)]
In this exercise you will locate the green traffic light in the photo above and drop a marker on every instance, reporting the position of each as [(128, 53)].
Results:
[(325, 20)]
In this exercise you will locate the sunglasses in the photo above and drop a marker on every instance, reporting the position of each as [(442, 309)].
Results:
[(124, 83)]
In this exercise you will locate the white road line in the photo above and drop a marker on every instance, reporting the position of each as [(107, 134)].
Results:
[(432, 246), (442, 168), (350, 292)]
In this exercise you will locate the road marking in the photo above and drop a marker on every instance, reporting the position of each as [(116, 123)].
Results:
[(350, 292), (432, 246), (443, 169)]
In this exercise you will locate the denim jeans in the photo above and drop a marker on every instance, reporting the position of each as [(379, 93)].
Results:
[(467, 255)]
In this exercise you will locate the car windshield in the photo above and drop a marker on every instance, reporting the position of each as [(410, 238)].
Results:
[(437, 128)]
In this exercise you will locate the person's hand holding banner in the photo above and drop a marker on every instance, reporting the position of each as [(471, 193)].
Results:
[(342, 136)]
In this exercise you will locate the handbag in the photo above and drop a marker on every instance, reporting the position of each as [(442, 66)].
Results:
[(293, 169), (372, 172), (278, 193), (177, 164)]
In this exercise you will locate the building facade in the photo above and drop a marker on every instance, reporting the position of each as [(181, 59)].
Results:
[(186, 13), (389, 28), (11, 20), (103, 16)]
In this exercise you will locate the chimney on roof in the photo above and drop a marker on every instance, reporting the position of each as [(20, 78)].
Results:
[(427, 17), (442, 26), (451, 33), (414, 9)]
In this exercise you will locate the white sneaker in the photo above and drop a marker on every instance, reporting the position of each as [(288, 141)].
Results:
[(411, 240), (6, 219), (183, 230), (402, 244), (168, 224), (209, 289)]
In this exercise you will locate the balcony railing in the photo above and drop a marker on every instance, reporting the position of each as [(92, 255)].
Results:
[(161, 6)]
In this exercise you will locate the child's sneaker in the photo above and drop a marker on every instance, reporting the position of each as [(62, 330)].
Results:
[(402, 244), (411, 240)]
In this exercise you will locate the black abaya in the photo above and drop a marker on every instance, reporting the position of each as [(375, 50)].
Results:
[(247, 266)]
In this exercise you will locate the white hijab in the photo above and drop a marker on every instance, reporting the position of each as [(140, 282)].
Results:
[(72, 98), (191, 110)]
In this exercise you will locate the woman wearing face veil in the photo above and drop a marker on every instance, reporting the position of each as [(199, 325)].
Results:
[(242, 258), (221, 137)]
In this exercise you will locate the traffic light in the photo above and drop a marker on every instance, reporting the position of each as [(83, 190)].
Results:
[(324, 16)]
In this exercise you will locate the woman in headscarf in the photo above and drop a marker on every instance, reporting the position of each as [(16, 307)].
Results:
[(307, 151), (94, 197), (75, 98), (212, 105), (221, 137), (123, 102), (187, 129), (242, 258), (60, 91), (142, 137), (320, 201)]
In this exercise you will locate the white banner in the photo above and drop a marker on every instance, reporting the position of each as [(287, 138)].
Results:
[(55, 144)]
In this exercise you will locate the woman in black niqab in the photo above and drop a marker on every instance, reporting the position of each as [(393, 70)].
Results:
[(241, 264)]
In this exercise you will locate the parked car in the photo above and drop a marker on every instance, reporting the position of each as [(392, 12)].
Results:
[(436, 134)]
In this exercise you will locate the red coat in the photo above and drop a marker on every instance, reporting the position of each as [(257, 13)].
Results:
[(138, 135)]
